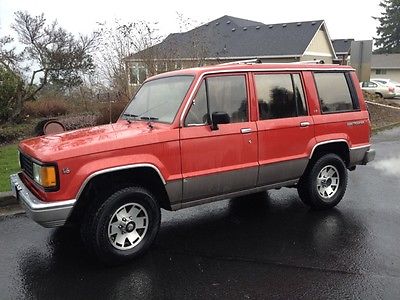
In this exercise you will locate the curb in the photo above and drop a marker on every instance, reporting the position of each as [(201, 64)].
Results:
[(6, 199), (386, 127)]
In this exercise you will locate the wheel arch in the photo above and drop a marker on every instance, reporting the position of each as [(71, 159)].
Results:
[(101, 184), (339, 147)]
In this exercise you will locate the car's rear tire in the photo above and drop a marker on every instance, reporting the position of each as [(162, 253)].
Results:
[(123, 226), (324, 182)]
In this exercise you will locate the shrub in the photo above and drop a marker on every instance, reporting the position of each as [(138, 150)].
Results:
[(46, 108), (116, 110), (9, 134), (76, 122)]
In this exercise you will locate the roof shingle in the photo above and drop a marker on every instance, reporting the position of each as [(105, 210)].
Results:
[(342, 46), (239, 38)]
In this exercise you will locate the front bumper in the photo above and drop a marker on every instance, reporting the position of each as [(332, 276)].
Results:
[(47, 214)]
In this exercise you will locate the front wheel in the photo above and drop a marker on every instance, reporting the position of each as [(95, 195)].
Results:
[(324, 183), (123, 226)]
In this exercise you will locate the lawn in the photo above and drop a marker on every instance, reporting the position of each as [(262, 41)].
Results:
[(8, 165)]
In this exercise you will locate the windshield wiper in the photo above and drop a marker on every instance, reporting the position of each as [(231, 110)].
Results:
[(148, 118), (130, 115)]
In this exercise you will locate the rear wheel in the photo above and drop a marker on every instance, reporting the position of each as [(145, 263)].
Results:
[(123, 226), (324, 183)]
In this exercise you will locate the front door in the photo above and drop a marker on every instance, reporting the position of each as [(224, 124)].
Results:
[(224, 160)]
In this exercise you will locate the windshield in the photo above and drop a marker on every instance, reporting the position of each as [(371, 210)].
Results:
[(159, 100)]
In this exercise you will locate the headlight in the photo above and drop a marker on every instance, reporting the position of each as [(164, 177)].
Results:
[(45, 175)]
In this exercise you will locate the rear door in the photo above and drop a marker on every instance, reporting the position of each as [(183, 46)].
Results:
[(285, 128), (221, 161)]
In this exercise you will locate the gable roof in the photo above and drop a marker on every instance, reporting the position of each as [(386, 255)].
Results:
[(385, 61), (342, 46), (230, 37)]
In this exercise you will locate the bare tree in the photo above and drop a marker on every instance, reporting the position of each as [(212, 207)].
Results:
[(117, 42), (50, 55)]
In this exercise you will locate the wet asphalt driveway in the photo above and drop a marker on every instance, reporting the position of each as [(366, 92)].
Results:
[(254, 247)]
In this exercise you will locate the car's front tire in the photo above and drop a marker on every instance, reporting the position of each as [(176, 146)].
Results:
[(123, 226), (324, 183)]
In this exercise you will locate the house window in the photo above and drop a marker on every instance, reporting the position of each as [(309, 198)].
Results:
[(137, 73), (161, 67), (380, 71), (133, 76), (178, 65)]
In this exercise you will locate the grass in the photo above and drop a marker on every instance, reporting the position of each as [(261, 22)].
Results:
[(8, 165)]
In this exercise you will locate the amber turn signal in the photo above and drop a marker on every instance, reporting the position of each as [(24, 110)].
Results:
[(45, 175)]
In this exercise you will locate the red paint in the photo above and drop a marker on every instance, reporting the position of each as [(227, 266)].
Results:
[(187, 152)]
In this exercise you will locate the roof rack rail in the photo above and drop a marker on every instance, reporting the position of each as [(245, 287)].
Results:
[(247, 61), (316, 62)]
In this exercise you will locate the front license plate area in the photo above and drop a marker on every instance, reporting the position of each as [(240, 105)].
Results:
[(15, 188)]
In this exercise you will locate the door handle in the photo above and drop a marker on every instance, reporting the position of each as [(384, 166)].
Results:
[(245, 130), (304, 124)]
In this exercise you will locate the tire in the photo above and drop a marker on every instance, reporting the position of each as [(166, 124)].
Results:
[(324, 182), (123, 226)]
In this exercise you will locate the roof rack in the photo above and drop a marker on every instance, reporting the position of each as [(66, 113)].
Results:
[(308, 62), (247, 61)]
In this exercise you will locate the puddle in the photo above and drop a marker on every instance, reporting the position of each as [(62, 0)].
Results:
[(390, 166)]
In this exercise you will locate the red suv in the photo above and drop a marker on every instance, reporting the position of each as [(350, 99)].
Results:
[(195, 136)]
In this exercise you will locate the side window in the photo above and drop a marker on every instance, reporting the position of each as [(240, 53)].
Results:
[(197, 114), (373, 85), (228, 94), (280, 96), (299, 95), (333, 91), (224, 94)]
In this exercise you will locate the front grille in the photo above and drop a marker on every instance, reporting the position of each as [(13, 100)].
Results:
[(26, 164)]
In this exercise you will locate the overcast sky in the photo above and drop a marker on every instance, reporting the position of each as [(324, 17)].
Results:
[(344, 18)]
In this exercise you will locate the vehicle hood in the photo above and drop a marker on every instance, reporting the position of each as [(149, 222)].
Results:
[(91, 140)]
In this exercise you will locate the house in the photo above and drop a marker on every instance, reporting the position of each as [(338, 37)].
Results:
[(342, 49), (229, 39), (386, 66)]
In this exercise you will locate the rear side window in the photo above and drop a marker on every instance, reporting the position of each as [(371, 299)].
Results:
[(280, 96), (334, 93)]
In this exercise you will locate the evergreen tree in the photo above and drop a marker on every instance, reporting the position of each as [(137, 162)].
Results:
[(388, 40)]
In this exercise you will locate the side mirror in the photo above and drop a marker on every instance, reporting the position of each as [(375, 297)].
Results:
[(219, 117)]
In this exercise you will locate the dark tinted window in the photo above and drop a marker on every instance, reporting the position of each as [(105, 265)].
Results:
[(228, 94), (333, 91), (280, 96), (197, 114)]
